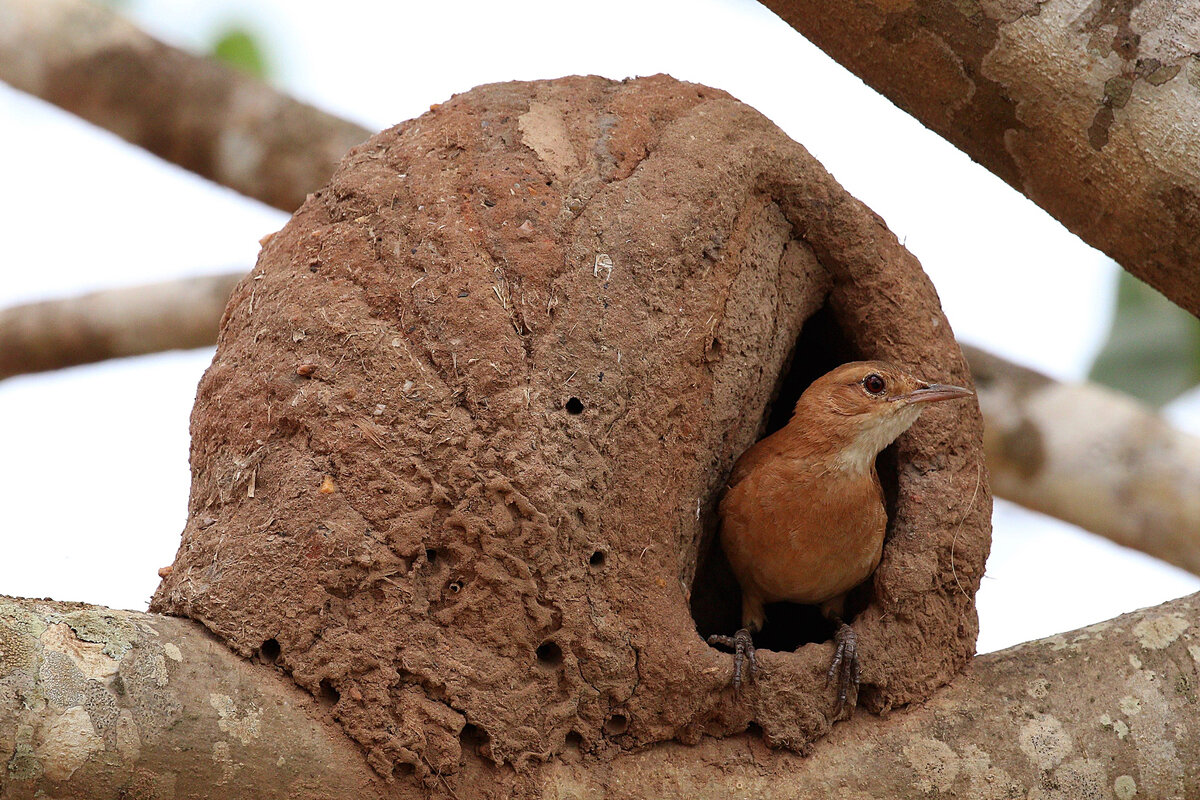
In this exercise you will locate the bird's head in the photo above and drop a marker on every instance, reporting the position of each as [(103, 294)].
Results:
[(860, 408)]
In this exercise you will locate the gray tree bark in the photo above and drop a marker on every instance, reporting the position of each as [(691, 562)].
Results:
[(99, 703), (1092, 110), (102, 704)]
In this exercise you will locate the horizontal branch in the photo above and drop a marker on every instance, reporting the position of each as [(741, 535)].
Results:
[(1098, 712), (99, 702), (187, 109), (115, 323), (1092, 457)]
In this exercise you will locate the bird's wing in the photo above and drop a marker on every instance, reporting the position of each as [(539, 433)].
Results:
[(765, 450)]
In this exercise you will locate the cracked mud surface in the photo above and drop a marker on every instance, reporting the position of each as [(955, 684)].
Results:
[(471, 413)]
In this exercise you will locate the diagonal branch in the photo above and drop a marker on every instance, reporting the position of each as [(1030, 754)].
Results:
[(1088, 109), (1091, 456), (189, 110)]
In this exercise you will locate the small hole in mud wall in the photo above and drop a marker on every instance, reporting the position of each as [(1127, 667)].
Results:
[(616, 724), (270, 650), (328, 695), (597, 559), (431, 556), (403, 769), (716, 597), (574, 406), (472, 737), (549, 654), (574, 741)]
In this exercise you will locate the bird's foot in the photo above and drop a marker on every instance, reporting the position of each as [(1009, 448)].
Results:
[(743, 651), (844, 667)]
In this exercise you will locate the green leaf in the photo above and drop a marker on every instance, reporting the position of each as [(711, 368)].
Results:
[(1153, 348), (239, 48)]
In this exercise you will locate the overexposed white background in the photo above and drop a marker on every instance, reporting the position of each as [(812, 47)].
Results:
[(93, 460)]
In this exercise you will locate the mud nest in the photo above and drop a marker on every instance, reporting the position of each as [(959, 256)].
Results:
[(458, 455)]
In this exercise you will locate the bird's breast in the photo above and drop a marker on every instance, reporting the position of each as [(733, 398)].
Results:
[(801, 536)]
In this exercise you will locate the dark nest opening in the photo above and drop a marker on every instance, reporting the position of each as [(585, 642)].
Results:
[(716, 603)]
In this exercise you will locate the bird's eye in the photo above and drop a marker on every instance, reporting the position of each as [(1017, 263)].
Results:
[(874, 384)]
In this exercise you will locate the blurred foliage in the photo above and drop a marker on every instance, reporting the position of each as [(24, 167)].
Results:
[(1153, 348), (241, 49)]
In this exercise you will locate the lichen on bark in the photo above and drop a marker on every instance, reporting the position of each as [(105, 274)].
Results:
[(1089, 109)]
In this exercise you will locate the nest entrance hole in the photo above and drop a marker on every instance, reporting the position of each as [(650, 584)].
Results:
[(716, 597)]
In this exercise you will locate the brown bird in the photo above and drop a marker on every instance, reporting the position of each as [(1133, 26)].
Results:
[(803, 518)]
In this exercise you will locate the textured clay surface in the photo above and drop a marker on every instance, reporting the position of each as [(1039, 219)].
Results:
[(459, 452)]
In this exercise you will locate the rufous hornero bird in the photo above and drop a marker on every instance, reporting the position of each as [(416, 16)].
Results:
[(803, 518)]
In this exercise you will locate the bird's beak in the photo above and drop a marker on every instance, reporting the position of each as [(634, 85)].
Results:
[(934, 392)]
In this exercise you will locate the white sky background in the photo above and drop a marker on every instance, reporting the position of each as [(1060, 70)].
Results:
[(93, 460)]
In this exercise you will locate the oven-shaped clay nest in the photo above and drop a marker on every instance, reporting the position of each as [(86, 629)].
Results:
[(458, 454)]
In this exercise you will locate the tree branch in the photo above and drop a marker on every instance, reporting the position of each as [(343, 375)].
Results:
[(189, 110), (96, 703), (1090, 111), (1090, 713), (100, 703), (53, 334), (1091, 456)]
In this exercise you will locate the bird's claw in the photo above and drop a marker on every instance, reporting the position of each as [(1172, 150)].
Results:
[(845, 667), (743, 651)]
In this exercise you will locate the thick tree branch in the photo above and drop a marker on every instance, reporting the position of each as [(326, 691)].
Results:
[(189, 110), (1090, 456), (115, 323), (1092, 713), (1092, 111), (97, 703)]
